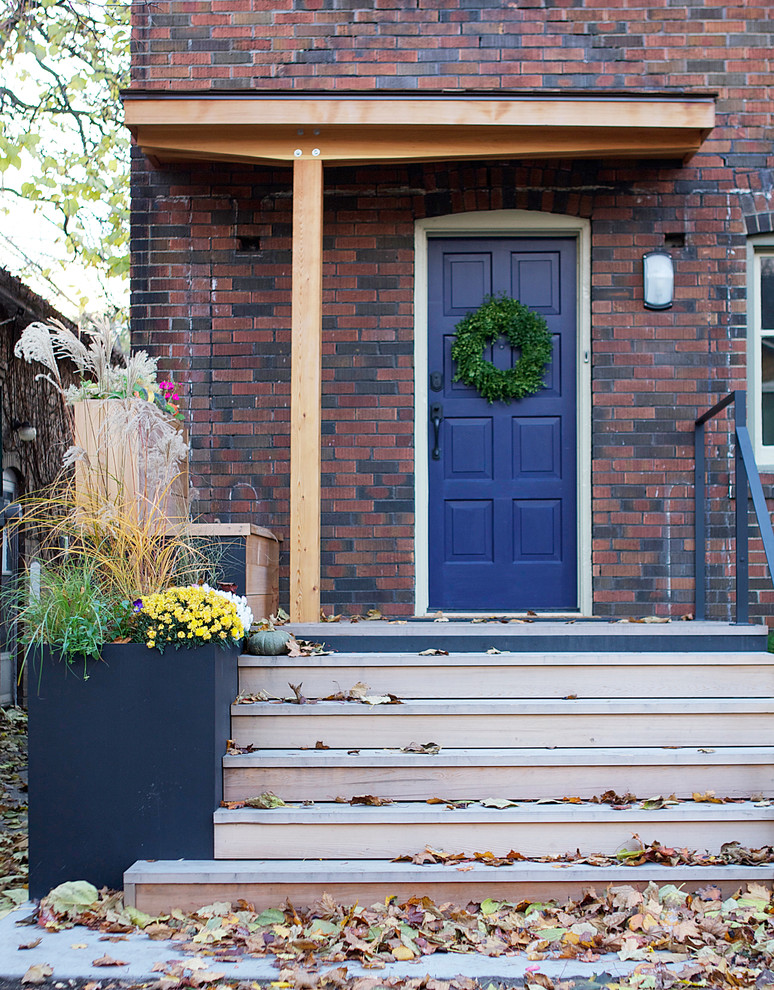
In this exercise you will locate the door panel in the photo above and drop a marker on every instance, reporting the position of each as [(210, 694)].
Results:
[(502, 490)]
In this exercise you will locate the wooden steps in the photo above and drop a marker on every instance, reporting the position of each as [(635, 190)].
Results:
[(569, 710), (518, 774), (531, 722), (155, 886), (335, 831), (513, 675)]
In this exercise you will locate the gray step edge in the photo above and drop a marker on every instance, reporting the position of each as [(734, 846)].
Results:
[(505, 706), (329, 813), (623, 757), (348, 871), (565, 628), (505, 659)]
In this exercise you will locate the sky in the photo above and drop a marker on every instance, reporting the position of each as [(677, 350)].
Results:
[(32, 248)]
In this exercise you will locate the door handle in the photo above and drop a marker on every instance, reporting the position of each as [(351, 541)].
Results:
[(436, 415)]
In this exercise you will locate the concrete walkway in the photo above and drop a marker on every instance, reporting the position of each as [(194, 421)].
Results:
[(71, 953)]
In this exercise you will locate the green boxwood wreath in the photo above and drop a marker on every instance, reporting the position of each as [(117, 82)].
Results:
[(502, 316)]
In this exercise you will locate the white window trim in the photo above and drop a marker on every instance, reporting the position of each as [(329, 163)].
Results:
[(514, 223), (757, 247)]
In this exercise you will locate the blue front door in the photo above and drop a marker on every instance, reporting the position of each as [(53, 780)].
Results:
[(502, 477)]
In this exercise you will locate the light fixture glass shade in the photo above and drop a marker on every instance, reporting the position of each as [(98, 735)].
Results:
[(658, 280), (26, 432)]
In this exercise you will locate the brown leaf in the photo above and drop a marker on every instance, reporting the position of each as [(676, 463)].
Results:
[(38, 973), (320, 745), (538, 980), (296, 689), (427, 749), (32, 944), (204, 977), (108, 961), (370, 800)]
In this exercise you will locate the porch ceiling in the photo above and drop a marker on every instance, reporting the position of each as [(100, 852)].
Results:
[(243, 127)]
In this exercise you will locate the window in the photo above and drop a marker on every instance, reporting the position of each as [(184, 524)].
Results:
[(760, 350)]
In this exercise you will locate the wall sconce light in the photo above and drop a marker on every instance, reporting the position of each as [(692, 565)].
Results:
[(658, 280), (26, 432)]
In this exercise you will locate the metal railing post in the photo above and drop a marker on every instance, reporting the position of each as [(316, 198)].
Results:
[(699, 522), (742, 523)]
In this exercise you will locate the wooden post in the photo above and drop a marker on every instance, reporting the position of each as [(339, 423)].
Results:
[(305, 377)]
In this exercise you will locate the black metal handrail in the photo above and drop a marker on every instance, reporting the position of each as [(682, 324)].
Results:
[(745, 473)]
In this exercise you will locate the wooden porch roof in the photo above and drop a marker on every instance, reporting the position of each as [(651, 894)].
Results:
[(357, 129)]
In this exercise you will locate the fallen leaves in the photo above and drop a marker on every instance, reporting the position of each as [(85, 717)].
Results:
[(264, 802), (426, 749), (731, 853), (305, 648), (233, 750), (108, 961), (722, 942), (13, 809), (38, 973), (72, 898), (361, 694)]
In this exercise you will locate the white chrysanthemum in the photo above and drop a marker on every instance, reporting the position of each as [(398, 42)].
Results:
[(243, 610)]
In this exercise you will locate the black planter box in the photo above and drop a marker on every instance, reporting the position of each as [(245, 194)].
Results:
[(125, 763)]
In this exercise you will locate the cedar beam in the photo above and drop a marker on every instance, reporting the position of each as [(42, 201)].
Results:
[(305, 390)]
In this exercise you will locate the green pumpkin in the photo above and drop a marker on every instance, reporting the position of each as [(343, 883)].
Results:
[(268, 643)]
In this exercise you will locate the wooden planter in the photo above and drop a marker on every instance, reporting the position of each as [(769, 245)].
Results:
[(250, 559), (125, 759), (115, 466)]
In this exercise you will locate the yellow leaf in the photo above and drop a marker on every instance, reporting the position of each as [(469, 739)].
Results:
[(402, 953)]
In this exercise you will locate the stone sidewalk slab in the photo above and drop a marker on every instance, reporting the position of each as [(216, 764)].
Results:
[(62, 951)]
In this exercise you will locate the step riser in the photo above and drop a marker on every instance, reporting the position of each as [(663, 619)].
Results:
[(487, 680), (476, 783), (556, 637), (386, 840), (374, 730), (155, 899)]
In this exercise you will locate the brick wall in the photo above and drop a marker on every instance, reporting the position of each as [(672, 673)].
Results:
[(221, 315)]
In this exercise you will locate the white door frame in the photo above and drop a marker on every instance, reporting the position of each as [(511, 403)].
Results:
[(511, 223)]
